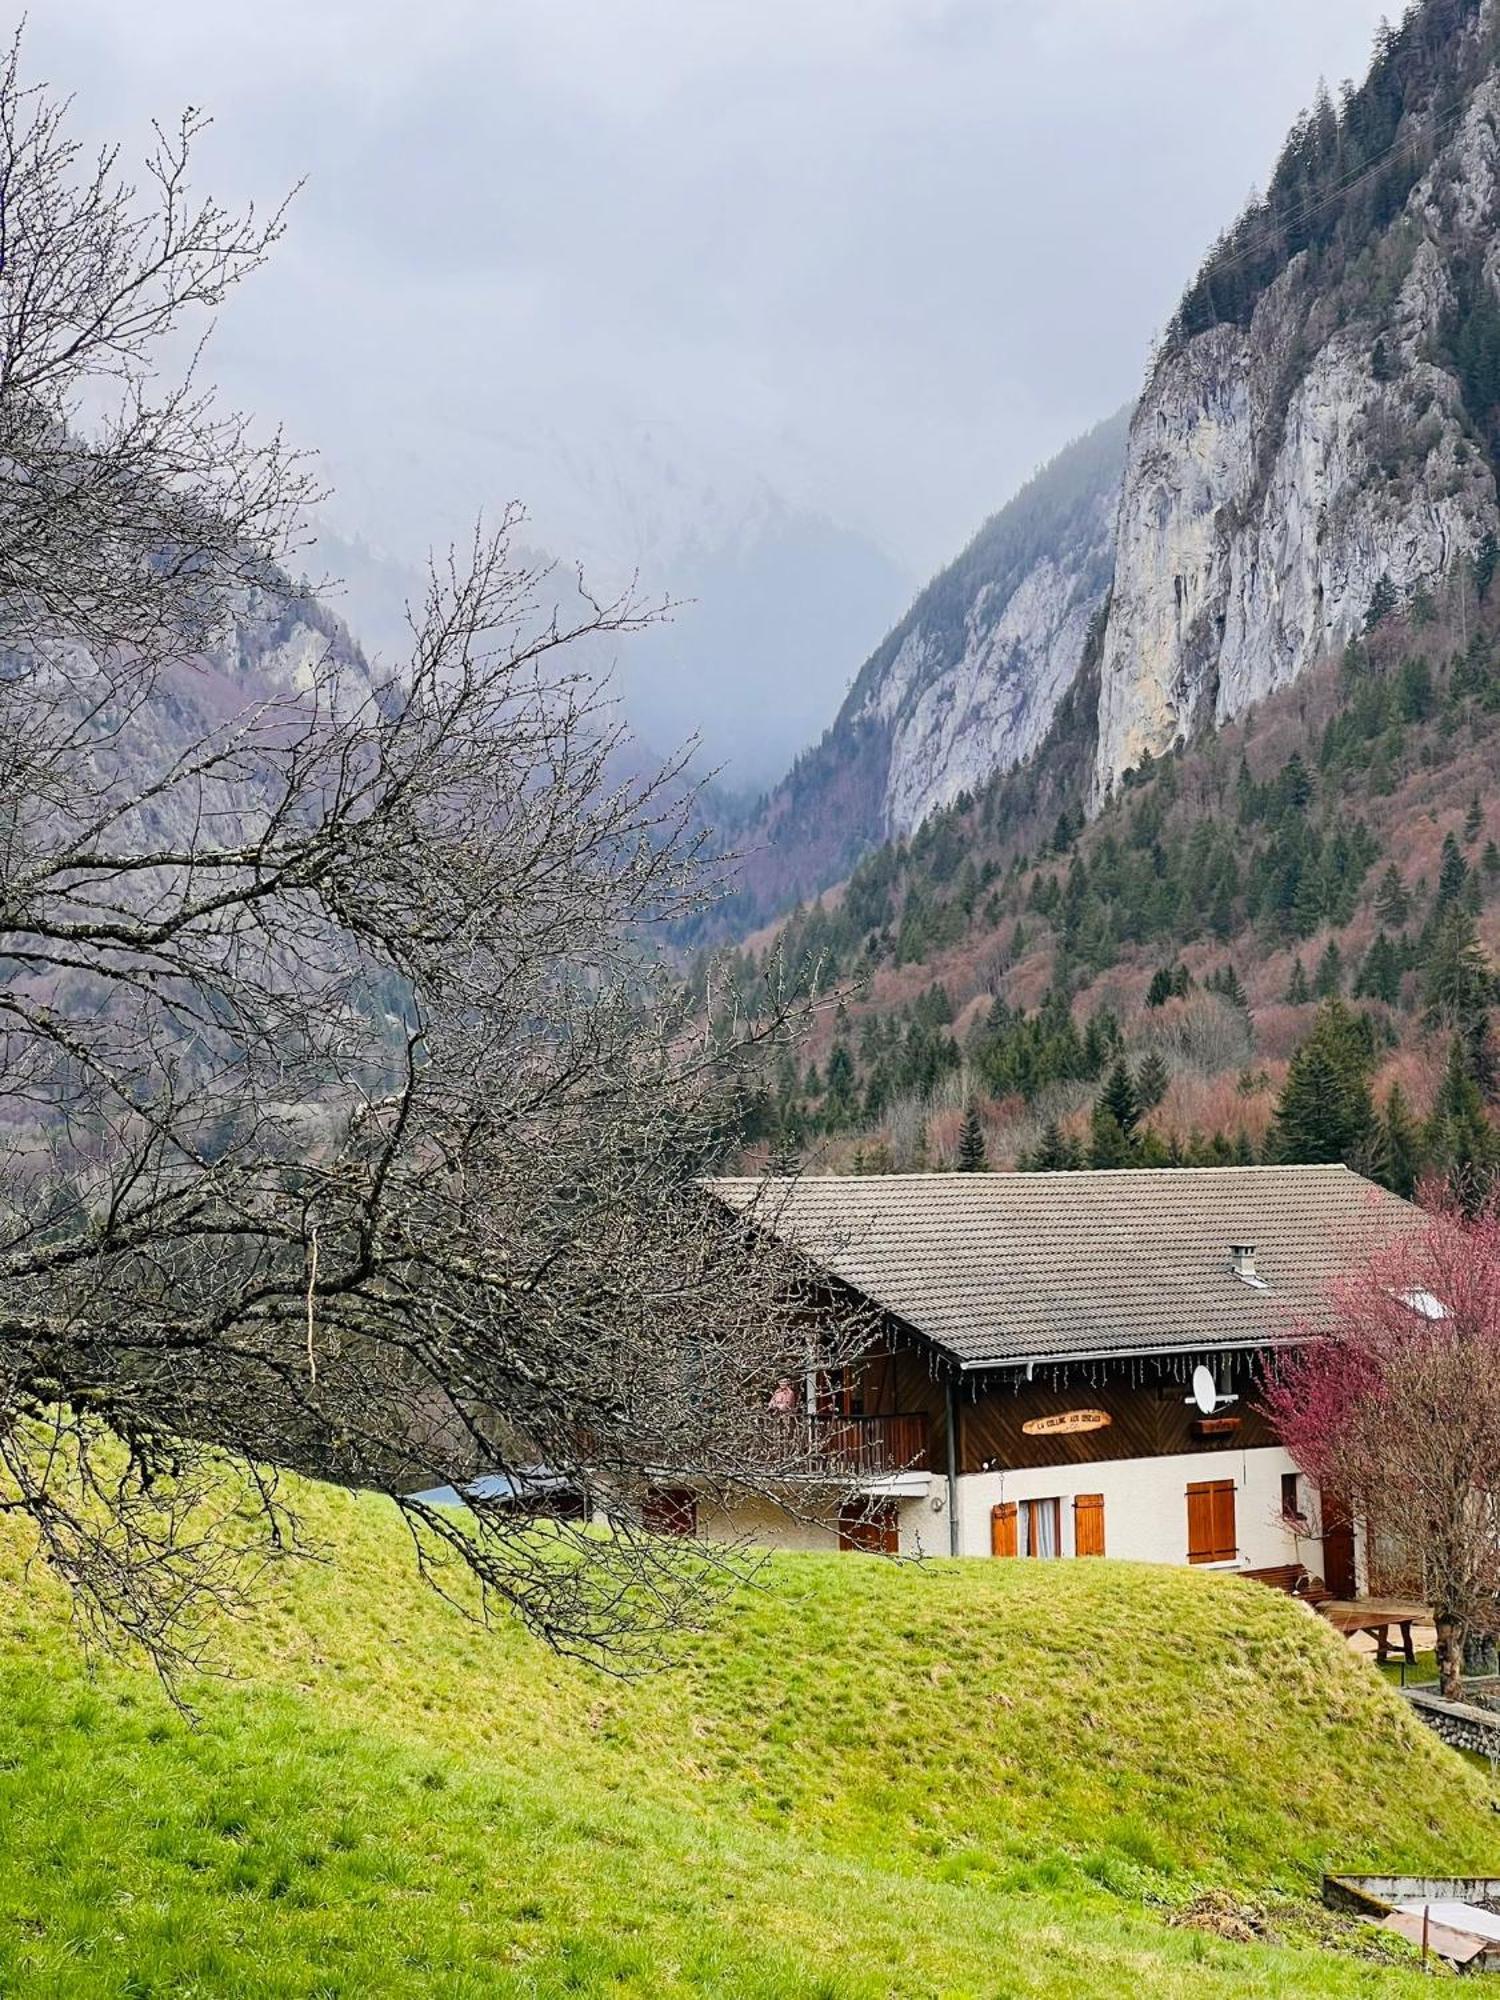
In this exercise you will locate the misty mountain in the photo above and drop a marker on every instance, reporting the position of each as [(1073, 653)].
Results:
[(771, 602), (1316, 444), (965, 685)]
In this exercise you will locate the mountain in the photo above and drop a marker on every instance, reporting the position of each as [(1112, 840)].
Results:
[(1242, 899), (966, 684), (770, 598), (1317, 434), (1278, 941), (1317, 441)]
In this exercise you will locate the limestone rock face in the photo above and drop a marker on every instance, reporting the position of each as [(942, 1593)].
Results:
[(1271, 482), (954, 727), (970, 681)]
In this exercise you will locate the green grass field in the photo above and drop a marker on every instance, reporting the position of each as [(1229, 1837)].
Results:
[(977, 1779)]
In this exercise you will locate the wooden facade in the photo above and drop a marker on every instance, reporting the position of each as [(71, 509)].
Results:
[(898, 1379), (1148, 1404)]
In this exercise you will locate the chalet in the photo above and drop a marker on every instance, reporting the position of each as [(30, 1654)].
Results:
[(1068, 1363)]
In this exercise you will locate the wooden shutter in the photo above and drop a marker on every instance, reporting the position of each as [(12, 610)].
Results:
[(1211, 1527), (1088, 1524), (1003, 1529)]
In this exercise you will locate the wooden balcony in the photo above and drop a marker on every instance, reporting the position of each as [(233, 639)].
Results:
[(871, 1447)]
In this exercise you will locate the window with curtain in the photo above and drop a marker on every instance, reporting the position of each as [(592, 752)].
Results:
[(1041, 1528)]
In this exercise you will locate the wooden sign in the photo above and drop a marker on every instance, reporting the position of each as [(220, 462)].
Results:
[(1215, 1427), (1068, 1423)]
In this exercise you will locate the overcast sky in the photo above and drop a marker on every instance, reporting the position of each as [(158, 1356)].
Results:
[(883, 255)]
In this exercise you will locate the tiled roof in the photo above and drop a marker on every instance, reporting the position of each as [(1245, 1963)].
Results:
[(1006, 1268)]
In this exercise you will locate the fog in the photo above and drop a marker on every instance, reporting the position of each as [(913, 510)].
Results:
[(772, 301)]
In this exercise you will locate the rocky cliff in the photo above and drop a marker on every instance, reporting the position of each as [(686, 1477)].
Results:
[(965, 685), (1322, 446)]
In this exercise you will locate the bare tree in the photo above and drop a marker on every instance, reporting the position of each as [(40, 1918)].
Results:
[(1397, 1412), (348, 1122)]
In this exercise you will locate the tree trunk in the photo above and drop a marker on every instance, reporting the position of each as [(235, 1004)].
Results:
[(1450, 1658)]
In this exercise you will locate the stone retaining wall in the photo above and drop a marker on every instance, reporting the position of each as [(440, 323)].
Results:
[(1459, 1723)]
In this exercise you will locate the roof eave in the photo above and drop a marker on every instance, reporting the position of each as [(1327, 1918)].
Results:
[(1070, 1355)]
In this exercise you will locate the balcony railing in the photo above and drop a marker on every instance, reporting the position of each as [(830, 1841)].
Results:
[(869, 1447)]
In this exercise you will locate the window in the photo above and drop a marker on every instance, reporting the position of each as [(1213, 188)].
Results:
[(1291, 1497), (1041, 1528), (1211, 1536), (1034, 1527)]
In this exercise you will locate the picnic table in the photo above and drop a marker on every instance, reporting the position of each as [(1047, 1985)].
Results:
[(1377, 1614)]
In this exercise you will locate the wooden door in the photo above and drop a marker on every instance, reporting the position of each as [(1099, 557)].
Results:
[(869, 1527), (670, 1510), (1211, 1536), (1338, 1547), (1003, 1529), (1088, 1524)]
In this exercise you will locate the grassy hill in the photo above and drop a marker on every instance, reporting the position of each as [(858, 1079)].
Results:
[(976, 1779)]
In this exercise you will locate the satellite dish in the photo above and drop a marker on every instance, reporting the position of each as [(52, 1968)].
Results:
[(1205, 1390)]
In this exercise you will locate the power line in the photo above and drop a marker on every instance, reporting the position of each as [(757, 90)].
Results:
[(1223, 263)]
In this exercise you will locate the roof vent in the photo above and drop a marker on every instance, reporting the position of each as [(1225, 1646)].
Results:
[(1242, 1263)]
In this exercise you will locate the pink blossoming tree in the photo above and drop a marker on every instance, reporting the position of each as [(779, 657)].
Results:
[(1396, 1409)]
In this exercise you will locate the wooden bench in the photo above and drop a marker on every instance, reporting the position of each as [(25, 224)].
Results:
[(1294, 1579)]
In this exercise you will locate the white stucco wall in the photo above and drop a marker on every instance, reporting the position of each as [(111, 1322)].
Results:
[(1145, 1510), (1145, 1504), (922, 1531)]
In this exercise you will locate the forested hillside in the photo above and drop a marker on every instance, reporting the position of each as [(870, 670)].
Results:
[(1276, 944)]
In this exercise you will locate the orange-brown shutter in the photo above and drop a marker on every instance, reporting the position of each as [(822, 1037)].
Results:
[(1226, 1538), (1212, 1536), (1003, 1529), (1088, 1524)]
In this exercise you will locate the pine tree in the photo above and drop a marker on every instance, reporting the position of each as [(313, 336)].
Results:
[(1489, 861), (1227, 982), (1453, 872), (1054, 1154), (1160, 991), (1403, 1154), (1108, 1144), (1392, 899), (1473, 821), (1459, 985), (973, 1157), (1298, 992), (1460, 1138), (1324, 1112), (1383, 601), (1119, 1099), (841, 1090), (1329, 980), (1380, 973), (1151, 1081)]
